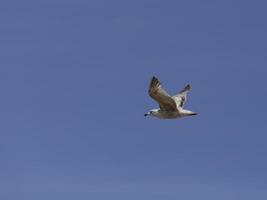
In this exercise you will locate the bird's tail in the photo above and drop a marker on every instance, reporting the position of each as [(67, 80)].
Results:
[(193, 113), (189, 113)]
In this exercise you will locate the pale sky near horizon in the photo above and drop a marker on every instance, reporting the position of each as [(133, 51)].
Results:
[(73, 82)]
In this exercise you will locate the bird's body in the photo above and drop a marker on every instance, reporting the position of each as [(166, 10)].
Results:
[(171, 115), (171, 107)]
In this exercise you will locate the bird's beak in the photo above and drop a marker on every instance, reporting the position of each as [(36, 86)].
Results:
[(146, 114)]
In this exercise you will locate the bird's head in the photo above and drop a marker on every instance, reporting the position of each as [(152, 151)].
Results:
[(152, 112)]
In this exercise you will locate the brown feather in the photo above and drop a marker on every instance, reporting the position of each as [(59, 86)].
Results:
[(157, 93)]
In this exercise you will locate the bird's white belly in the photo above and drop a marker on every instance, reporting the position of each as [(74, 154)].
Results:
[(169, 115)]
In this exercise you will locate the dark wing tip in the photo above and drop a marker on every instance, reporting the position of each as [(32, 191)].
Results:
[(154, 79), (154, 82), (188, 87)]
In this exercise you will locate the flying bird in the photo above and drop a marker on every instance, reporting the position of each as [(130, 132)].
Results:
[(170, 107)]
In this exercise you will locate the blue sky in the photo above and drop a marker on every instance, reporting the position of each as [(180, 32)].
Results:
[(73, 82)]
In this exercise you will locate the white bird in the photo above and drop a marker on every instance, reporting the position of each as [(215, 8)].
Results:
[(171, 107)]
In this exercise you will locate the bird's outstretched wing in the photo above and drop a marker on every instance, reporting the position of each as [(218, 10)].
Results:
[(156, 92), (180, 98)]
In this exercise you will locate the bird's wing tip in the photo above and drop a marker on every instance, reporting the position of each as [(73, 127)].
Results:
[(188, 86), (154, 78)]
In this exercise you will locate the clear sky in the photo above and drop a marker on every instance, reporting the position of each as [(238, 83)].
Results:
[(73, 82)]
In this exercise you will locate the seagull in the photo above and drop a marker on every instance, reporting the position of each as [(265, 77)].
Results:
[(170, 107)]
